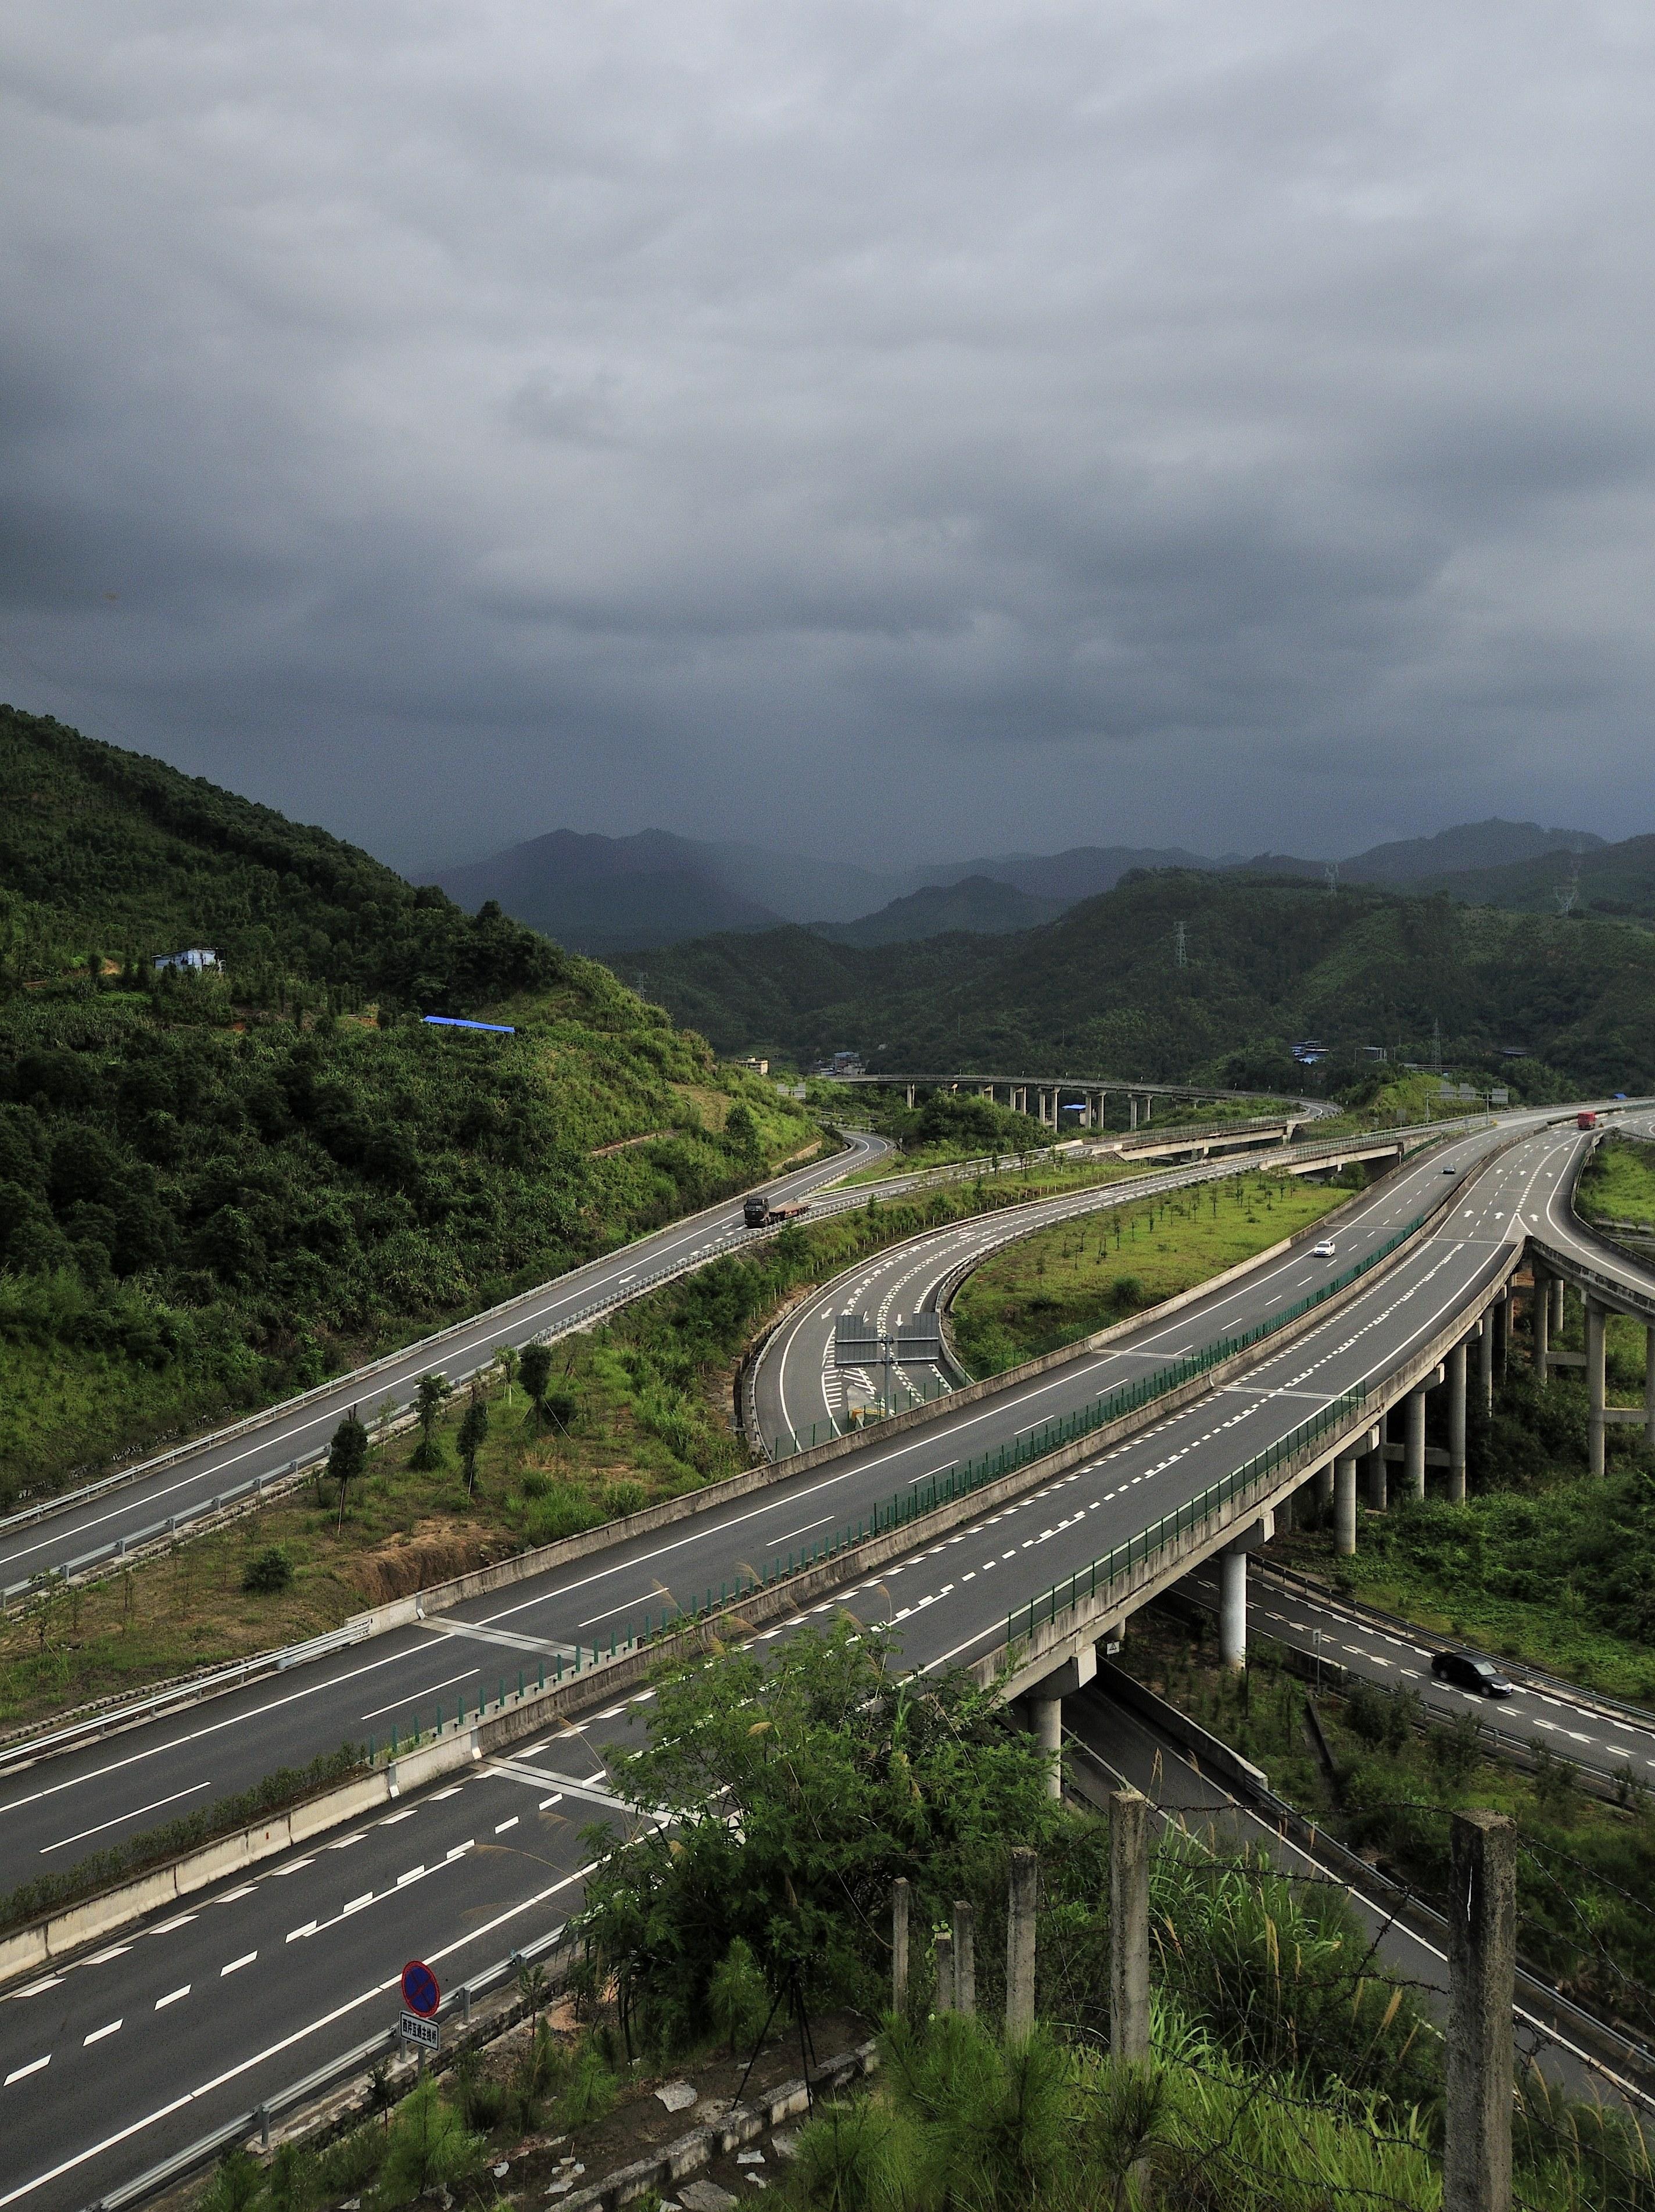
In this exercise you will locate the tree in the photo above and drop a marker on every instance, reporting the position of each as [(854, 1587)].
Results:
[(430, 1398), (796, 1787), (534, 1372), (473, 1430), (347, 1457), (506, 1360)]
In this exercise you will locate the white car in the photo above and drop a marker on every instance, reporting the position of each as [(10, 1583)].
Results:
[(1324, 1250)]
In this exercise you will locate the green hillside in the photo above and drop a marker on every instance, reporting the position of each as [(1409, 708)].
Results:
[(215, 1188), (1101, 992), (1616, 880)]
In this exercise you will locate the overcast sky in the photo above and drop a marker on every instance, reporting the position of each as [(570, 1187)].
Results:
[(896, 431)]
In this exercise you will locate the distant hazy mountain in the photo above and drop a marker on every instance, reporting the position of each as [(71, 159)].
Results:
[(614, 894), (979, 904), (609, 894), (1606, 879), (1082, 871), (1469, 845)]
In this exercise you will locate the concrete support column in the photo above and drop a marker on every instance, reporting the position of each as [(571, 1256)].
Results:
[(965, 1957), (1540, 1313), (1321, 1486), (1502, 1314), (1047, 1714), (1344, 1508), (1020, 1944), (1132, 1107), (1128, 1924), (1595, 1317), (1376, 1481), (1232, 1609), (1414, 1464), (899, 1946), (910, 1098), (1476, 2162), (1149, 1108), (1456, 1363), (1649, 1383), (1557, 1305), (1486, 1360), (1287, 1514)]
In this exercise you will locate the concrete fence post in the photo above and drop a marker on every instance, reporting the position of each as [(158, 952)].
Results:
[(945, 1957), (899, 1946), (1344, 1507), (965, 1957), (1476, 2165), (1595, 1317), (1020, 1944), (1128, 1924), (1456, 1424)]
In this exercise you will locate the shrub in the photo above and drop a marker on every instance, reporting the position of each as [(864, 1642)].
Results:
[(623, 1497), (268, 1572), (563, 1512)]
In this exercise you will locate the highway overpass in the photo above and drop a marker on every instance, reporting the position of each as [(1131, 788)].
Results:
[(272, 1974)]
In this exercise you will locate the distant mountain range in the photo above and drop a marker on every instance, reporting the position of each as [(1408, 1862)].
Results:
[(614, 896)]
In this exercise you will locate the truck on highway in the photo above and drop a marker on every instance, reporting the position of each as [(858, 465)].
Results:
[(762, 1212), (1585, 1121)]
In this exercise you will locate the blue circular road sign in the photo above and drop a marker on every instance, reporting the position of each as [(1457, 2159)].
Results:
[(420, 1992)]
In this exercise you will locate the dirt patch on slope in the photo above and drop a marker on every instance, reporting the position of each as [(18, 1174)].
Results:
[(436, 1553)]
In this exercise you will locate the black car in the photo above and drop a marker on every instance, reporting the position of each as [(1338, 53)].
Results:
[(1467, 1672)]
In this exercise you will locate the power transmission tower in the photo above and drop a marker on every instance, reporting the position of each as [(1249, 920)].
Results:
[(1565, 894), (1180, 948), (1330, 876)]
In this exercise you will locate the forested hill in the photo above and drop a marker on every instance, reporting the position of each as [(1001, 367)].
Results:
[(110, 851), (215, 1188), (1266, 962)]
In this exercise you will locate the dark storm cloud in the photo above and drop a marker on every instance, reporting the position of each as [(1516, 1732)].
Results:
[(898, 427)]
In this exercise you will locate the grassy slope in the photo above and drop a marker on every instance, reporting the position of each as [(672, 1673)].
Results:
[(1267, 962), (1055, 1288), (1618, 1184)]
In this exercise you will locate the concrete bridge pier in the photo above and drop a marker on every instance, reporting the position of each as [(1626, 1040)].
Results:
[(1132, 1107), (1232, 1590), (1376, 1477), (1321, 1486), (1649, 1382), (1045, 1704), (1596, 1316), (1413, 1446), (1344, 1506), (910, 1098), (1456, 1363), (1502, 1314), (1486, 1360), (1540, 1310)]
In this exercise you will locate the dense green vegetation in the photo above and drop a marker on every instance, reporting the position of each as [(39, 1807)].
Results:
[(1100, 991), (217, 1188), (1617, 1183), (1052, 1289)]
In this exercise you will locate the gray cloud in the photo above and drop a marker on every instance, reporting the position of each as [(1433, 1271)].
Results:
[(887, 429)]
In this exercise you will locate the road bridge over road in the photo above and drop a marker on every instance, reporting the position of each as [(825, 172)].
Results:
[(1085, 1094)]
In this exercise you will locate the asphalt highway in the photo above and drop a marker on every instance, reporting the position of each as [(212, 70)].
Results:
[(54, 1809), (796, 1387), (31, 1545), (1570, 1723), (265, 1980)]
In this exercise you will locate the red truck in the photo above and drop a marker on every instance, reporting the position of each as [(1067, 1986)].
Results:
[(1585, 1121)]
